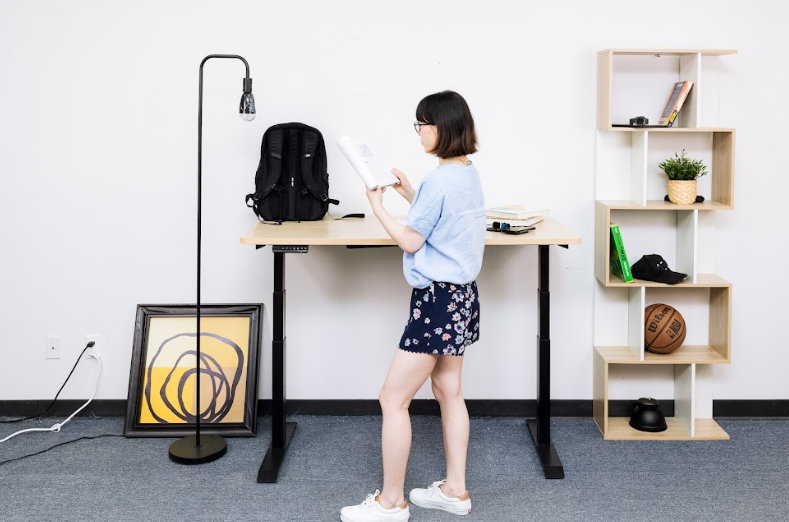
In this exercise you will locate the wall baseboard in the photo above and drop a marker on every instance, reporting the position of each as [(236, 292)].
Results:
[(735, 409)]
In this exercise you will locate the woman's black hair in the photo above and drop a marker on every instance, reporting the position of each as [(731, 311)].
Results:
[(449, 112)]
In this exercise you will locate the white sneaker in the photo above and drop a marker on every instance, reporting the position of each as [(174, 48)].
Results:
[(371, 511), (434, 498)]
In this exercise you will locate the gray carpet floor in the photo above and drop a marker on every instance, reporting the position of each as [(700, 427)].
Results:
[(335, 461)]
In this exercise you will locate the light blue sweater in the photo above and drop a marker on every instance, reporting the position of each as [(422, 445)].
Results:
[(449, 212)]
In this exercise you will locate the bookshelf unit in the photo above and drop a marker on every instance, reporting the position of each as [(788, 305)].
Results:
[(629, 192)]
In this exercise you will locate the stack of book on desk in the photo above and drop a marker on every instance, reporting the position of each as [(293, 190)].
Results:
[(516, 215)]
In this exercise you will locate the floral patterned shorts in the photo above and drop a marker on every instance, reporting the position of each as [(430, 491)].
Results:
[(444, 319)]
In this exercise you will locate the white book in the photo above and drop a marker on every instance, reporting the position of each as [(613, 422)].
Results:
[(374, 172)]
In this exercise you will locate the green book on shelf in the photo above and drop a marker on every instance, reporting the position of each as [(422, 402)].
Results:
[(619, 263)]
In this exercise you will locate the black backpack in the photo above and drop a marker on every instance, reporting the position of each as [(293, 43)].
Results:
[(291, 183)]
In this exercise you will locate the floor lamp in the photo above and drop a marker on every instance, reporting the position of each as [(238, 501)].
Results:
[(195, 449)]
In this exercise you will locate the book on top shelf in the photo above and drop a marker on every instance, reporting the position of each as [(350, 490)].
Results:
[(374, 172), (674, 103), (620, 266), (515, 212)]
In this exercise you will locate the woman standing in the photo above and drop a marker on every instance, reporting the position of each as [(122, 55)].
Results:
[(443, 243)]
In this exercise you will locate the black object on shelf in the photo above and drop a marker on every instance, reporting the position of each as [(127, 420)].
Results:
[(699, 199), (647, 416), (638, 122), (639, 126), (195, 449)]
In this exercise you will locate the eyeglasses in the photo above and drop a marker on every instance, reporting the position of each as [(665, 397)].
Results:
[(418, 126)]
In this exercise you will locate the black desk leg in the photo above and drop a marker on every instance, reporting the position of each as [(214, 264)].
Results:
[(540, 427), (281, 431)]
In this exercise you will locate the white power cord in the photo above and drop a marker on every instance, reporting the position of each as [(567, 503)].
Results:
[(56, 427)]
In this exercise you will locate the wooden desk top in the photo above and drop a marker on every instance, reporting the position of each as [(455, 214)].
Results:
[(368, 231)]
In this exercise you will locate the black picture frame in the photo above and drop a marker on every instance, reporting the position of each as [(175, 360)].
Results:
[(156, 403)]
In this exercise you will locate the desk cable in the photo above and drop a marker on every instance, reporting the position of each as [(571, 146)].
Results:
[(57, 426)]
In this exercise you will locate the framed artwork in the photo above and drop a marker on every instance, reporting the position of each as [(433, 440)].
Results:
[(162, 400)]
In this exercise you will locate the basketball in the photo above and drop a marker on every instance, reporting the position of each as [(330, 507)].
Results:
[(664, 328)]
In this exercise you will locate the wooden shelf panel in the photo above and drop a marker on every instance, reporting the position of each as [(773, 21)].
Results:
[(668, 129), (704, 281), (659, 204), (686, 354), (706, 429), (670, 52)]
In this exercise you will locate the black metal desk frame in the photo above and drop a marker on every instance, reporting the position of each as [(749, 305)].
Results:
[(539, 427)]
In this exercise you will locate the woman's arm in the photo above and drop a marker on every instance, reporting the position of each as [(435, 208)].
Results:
[(406, 237)]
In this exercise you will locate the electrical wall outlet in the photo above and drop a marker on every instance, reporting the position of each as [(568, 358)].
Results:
[(95, 351), (52, 347)]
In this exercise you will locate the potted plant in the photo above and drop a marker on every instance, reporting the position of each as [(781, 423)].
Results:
[(682, 174)]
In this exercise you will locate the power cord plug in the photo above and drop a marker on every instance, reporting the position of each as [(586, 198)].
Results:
[(92, 352)]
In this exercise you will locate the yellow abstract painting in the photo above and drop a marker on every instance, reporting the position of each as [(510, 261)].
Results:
[(169, 380)]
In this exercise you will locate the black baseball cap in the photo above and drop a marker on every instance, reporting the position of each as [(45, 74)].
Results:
[(653, 267)]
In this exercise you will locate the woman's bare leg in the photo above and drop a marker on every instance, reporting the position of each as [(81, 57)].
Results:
[(454, 419), (407, 374)]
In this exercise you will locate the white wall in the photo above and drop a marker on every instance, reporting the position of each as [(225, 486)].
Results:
[(98, 107)]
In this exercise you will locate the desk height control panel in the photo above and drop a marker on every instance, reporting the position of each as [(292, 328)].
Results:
[(290, 249)]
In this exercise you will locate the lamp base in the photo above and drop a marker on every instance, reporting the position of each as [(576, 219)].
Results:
[(186, 450)]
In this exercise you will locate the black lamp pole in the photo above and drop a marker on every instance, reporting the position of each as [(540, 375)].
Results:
[(196, 449)]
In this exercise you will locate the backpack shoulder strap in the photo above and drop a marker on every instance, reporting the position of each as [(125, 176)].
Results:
[(310, 141), (271, 154), (276, 145)]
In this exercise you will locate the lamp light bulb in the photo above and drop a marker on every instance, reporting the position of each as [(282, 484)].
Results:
[(246, 108)]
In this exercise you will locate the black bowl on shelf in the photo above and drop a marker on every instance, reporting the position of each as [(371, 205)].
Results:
[(647, 416)]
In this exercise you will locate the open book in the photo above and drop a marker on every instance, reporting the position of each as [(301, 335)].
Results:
[(374, 172)]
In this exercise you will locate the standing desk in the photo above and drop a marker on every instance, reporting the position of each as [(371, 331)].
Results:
[(368, 232)]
